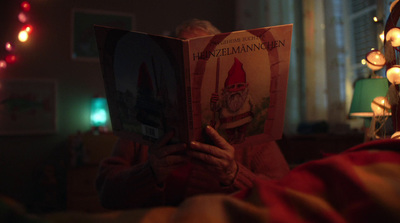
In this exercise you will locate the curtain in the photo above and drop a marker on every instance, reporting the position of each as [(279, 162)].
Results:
[(325, 57)]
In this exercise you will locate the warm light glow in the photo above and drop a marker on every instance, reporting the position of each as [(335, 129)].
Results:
[(375, 60), (375, 19), (23, 36), (393, 74), (25, 6), (9, 47), (380, 106), (396, 135), (394, 36), (22, 17), (363, 62), (393, 4), (382, 36), (27, 28), (11, 58), (3, 64)]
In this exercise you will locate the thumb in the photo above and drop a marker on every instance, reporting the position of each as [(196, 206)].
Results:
[(218, 140)]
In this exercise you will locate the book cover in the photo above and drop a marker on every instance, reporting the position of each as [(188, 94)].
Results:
[(235, 82)]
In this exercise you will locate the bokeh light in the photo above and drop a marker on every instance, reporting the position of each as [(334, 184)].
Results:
[(11, 58), (27, 28), (25, 6), (22, 17), (3, 64), (9, 46), (23, 36)]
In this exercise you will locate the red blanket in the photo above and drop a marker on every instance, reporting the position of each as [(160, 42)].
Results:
[(361, 184)]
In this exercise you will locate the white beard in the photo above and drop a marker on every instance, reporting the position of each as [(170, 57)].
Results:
[(235, 100)]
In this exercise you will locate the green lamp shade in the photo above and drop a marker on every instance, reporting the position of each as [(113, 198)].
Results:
[(365, 91), (98, 112)]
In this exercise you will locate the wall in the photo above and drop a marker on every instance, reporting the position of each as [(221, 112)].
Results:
[(47, 56)]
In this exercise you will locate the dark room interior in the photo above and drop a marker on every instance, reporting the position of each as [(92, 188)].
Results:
[(52, 167)]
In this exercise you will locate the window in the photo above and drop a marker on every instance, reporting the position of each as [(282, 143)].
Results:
[(363, 33)]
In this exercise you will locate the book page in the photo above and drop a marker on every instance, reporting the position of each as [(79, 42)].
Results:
[(239, 83), (144, 82)]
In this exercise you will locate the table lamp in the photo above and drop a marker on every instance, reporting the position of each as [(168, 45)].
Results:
[(365, 92), (98, 112)]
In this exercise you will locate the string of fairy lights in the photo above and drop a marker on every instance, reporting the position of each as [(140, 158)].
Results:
[(10, 56)]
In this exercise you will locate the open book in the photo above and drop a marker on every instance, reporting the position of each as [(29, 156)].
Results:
[(235, 82)]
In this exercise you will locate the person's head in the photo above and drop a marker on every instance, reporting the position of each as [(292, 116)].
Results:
[(195, 28)]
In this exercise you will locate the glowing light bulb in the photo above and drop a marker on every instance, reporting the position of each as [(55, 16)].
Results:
[(380, 106), (375, 60), (393, 35), (22, 17), (363, 62), (27, 28), (9, 47), (23, 36), (25, 6), (393, 74), (10, 58), (3, 64)]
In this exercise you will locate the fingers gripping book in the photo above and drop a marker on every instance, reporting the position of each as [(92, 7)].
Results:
[(236, 82)]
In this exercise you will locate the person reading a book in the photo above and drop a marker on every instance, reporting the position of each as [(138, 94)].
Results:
[(137, 175), (195, 28)]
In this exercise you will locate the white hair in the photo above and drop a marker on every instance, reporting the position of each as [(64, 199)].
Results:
[(195, 24)]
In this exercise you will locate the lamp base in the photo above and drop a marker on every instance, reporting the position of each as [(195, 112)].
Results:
[(377, 127), (96, 130)]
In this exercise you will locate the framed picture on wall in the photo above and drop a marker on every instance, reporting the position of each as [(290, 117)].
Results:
[(83, 40), (27, 106)]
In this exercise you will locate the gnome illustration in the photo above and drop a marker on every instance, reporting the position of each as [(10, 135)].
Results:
[(147, 106), (235, 105)]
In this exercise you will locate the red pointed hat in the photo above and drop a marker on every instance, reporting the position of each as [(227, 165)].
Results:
[(144, 79), (236, 74)]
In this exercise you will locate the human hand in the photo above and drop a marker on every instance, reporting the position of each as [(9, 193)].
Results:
[(218, 158), (164, 158)]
